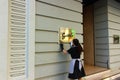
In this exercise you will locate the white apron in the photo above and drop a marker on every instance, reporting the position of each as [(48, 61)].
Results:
[(72, 63)]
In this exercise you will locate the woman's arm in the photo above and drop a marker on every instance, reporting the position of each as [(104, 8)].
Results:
[(62, 49)]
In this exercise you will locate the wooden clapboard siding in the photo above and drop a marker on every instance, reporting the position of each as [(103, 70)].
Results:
[(114, 52), (103, 57), (51, 69), (50, 63), (113, 10), (115, 58), (114, 29), (113, 4), (101, 25), (114, 25), (100, 4), (57, 12), (61, 76), (100, 10), (115, 65), (101, 64), (45, 47), (114, 32), (114, 17), (62, 4), (46, 23), (102, 52), (54, 57), (114, 46), (103, 40), (100, 18), (53, 36), (101, 33), (102, 46)]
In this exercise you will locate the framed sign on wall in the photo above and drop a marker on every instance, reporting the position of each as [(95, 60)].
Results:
[(66, 35), (116, 39)]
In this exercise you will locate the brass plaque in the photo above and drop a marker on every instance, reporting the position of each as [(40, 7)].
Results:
[(66, 35)]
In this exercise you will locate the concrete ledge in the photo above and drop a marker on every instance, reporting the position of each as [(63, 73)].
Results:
[(98, 76), (111, 74)]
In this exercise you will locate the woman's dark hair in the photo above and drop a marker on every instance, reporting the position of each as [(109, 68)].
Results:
[(76, 43)]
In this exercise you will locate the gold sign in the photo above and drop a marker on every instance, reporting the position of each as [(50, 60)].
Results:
[(66, 35)]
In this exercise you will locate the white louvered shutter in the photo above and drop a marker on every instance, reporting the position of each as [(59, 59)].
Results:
[(17, 59)]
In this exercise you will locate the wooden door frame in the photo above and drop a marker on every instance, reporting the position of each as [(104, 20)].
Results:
[(88, 34)]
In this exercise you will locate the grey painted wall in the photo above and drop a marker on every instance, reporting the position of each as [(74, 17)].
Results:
[(107, 24), (50, 64), (101, 33)]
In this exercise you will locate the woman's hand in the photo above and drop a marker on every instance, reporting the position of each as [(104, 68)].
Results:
[(65, 51)]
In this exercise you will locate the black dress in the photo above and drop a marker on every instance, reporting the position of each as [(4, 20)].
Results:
[(77, 72)]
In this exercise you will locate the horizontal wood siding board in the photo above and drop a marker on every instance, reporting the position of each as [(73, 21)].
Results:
[(103, 59), (113, 10), (114, 52), (100, 3), (114, 3), (115, 65), (113, 18), (57, 12), (102, 52), (100, 64), (100, 10), (101, 25), (43, 36), (101, 29), (102, 17), (102, 46), (113, 32), (114, 25), (46, 58), (114, 45), (46, 47), (115, 58), (51, 69), (59, 18), (54, 24), (101, 40), (61, 76), (101, 33), (49, 47), (62, 3)]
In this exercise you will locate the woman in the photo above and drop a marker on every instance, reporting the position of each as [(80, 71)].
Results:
[(76, 70)]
